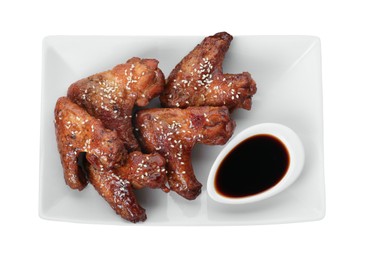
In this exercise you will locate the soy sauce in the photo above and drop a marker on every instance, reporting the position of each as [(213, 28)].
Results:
[(253, 166)]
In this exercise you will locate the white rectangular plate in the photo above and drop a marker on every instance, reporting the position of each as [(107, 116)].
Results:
[(287, 70)]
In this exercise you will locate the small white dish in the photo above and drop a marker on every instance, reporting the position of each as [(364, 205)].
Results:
[(286, 136)]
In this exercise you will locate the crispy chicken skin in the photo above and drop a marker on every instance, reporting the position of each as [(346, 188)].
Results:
[(173, 132), (117, 192), (144, 170), (78, 132), (198, 80), (116, 185), (111, 95)]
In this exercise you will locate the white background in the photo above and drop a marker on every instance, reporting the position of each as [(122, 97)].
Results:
[(339, 24)]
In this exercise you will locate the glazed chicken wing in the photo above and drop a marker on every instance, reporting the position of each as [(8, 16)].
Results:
[(78, 132), (116, 185), (198, 80), (117, 192), (111, 95), (173, 132)]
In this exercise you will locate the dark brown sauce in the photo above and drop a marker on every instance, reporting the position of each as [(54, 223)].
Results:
[(253, 166)]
